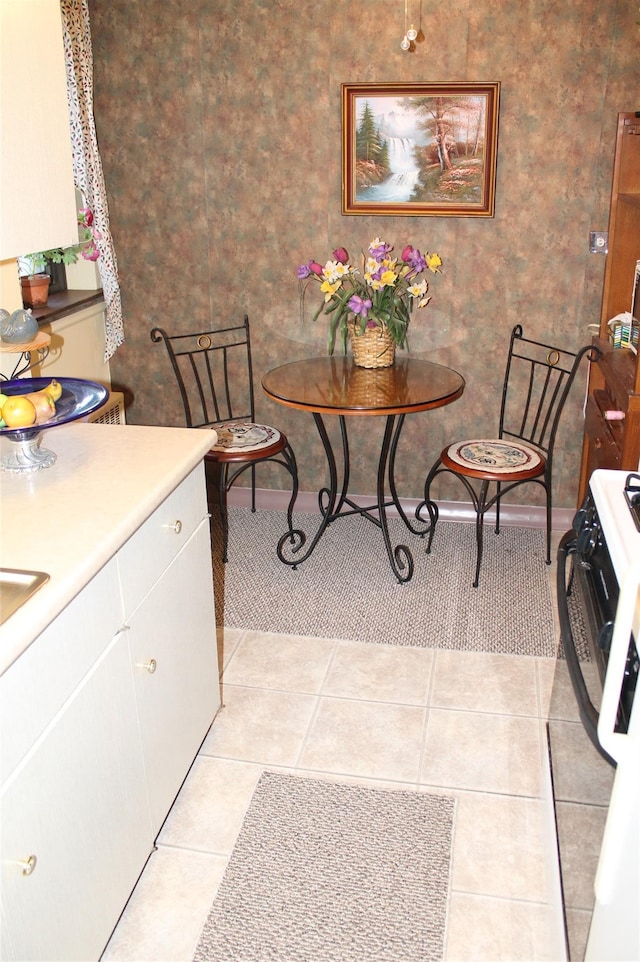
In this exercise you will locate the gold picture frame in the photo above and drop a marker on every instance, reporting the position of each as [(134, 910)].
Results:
[(420, 149)]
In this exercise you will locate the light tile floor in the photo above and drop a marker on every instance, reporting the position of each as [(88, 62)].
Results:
[(466, 724)]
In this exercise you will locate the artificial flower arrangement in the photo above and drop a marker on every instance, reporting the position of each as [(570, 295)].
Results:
[(383, 296), (87, 247)]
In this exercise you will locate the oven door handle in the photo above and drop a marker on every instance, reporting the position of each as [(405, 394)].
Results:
[(588, 714)]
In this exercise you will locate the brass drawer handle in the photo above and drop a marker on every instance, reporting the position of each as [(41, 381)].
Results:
[(150, 666), (176, 526), (29, 865)]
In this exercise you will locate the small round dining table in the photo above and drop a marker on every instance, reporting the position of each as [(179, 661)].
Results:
[(335, 386)]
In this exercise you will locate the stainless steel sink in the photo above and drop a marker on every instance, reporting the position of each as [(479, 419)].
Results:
[(16, 587)]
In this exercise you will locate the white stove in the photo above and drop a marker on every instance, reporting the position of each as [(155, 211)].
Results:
[(615, 931), (622, 536)]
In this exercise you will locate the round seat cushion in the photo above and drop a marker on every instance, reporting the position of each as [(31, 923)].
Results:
[(245, 436), (494, 456)]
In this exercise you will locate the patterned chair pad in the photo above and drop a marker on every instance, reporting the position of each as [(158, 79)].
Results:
[(498, 457), (245, 436)]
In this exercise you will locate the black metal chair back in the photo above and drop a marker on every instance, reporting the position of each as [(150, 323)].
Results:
[(537, 382), (214, 372)]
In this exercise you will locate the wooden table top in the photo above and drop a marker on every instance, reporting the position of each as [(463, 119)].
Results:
[(334, 385)]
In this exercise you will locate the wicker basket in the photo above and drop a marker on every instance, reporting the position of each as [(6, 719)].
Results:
[(373, 348), (373, 388)]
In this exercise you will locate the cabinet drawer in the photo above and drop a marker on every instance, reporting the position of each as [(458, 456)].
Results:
[(155, 544), (605, 450), (37, 685)]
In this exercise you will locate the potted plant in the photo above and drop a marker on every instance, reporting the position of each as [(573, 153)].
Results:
[(34, 280), (372, 308), (34, 283)]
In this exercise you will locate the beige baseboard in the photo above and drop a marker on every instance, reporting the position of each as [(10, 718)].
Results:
[(513, 515)]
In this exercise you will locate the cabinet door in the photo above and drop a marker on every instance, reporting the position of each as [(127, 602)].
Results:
[(78, 804), (37, 195), (37, 685), (6, 951), (175, 665)]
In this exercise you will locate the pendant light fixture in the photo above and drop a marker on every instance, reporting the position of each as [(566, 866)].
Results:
[(408, 41)]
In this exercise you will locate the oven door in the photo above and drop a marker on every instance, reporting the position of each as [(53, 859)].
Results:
[(585, 634), (615, 928), (582, 774)]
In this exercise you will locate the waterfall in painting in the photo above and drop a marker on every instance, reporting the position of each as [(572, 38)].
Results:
[(398, 187)]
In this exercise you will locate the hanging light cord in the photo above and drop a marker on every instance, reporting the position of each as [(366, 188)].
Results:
[(405, 43)]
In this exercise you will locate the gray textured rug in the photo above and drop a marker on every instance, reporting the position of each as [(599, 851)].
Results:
[(346, 589), (329, 872)]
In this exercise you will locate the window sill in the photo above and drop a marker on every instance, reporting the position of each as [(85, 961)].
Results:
[(66, 302)]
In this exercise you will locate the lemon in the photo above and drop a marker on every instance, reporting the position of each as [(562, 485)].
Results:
[(18, 412)]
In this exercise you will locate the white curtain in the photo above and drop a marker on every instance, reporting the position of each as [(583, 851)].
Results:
[(87, 168)]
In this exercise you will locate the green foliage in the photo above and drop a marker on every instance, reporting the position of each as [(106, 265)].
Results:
[(371, 146), (37, 262)]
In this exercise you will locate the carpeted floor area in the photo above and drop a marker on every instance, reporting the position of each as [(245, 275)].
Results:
[(334, 873), (346, 589)]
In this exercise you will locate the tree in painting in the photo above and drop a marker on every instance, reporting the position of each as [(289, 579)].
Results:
[(451, 163), (372, 158)]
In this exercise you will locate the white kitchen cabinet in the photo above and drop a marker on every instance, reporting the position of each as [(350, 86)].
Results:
[(77, 347), (102, 716), (167, 590), (173, 651), (38, 684), (78, 805), (37, 194)]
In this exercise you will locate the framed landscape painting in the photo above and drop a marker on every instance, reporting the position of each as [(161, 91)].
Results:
[(420, 149)]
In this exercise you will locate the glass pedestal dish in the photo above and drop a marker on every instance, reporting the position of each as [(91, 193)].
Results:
[(24, 452)]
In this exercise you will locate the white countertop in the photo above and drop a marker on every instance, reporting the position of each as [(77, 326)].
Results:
[(70, 519)]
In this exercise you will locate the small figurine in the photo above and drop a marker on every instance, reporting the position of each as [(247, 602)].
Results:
[(17, 328)]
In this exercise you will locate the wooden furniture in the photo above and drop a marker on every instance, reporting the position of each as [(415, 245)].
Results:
[(103, 712), (336, 386), (614, 382), (16, 360)]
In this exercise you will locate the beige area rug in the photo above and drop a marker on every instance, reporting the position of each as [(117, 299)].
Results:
[(329, 872), (346, 589)]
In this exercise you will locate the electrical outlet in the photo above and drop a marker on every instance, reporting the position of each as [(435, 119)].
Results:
[(598, 241)]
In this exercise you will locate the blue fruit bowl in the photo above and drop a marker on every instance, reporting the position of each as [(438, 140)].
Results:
[(78, 399)]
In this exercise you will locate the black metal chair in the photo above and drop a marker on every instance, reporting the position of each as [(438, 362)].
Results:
[(536, 385), (215, 376)]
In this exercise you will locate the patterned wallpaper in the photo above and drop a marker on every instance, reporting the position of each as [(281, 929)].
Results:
[(219, 127)]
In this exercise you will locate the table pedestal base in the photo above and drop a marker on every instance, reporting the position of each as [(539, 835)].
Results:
[(333, 507)]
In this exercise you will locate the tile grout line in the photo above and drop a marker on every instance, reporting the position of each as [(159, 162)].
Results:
[(316, 709)]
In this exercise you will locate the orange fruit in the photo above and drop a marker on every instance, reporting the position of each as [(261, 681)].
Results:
[(18, 412)]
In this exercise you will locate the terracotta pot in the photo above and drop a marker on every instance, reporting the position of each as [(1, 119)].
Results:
[(35, 290)]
